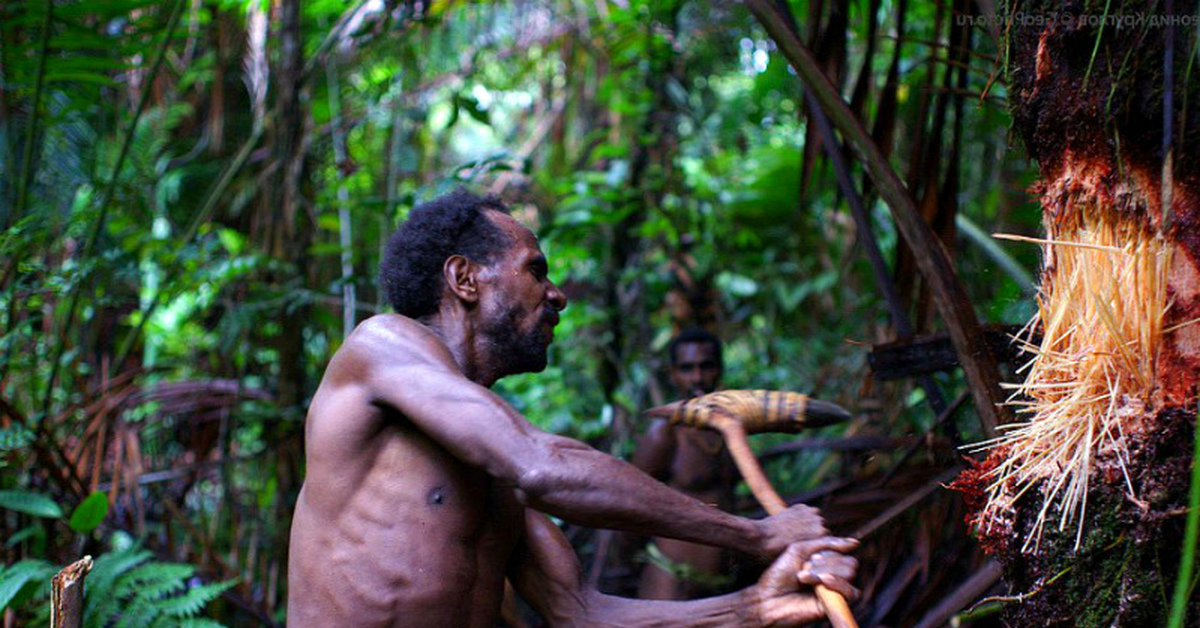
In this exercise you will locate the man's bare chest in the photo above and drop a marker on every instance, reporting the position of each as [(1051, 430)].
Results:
[(438, 496)]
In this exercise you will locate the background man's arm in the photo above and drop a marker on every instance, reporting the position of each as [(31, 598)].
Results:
[(405, 367), (545, 572)]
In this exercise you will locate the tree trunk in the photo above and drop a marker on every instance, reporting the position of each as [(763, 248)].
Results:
[(1111, 390), (291, 226)]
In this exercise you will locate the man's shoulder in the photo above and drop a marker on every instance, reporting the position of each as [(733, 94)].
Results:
[(390, 339), (658, 429), (395, 332), (391, 324)]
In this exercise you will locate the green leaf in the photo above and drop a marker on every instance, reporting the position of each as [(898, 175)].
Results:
[(233, 241), (329, 222), (326, 249), (453, 113), (30, 503), (24, 533), (473, 109), (266, 496), (15, 578), (78, 77), (90, 513), (737, 285)]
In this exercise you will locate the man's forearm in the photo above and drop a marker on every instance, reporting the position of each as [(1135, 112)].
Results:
[(594, 489), (735, 610)]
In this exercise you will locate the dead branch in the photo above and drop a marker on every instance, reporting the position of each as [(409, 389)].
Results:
[(66, 594)]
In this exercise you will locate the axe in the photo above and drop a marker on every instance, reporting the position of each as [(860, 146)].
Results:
[(736, 413)]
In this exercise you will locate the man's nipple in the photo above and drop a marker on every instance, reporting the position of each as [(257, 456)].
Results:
[(436, 496)]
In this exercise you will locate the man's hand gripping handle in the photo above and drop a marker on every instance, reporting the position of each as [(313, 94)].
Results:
[(734, 413)]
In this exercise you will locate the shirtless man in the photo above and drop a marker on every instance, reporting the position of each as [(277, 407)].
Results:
[(425, 490), (692, 461)]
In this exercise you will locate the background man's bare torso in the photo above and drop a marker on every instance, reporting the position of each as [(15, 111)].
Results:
[(700, 467)]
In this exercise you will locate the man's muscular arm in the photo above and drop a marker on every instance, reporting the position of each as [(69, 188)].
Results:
[(546, 573), (404, 366)]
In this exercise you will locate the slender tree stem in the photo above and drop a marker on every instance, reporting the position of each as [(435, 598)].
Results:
[(345, 238), (862, 220), (335, 34), (28, 167), (106, 201), (7, 190), (1168, 119), (1183, 584)]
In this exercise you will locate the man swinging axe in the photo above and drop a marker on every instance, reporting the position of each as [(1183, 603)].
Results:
[(425, 491)]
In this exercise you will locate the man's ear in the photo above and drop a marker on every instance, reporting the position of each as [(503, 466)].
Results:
[(460, 274)]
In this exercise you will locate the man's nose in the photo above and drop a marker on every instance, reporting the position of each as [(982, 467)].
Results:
[(556, 297), (693, 382)]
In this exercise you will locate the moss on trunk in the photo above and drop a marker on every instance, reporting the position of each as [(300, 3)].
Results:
[(1123, 573)]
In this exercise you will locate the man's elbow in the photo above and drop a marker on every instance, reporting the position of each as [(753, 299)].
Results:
[(534, 483), (557, 465)]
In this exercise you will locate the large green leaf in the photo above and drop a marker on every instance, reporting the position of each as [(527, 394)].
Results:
[(28, 532), (15, 578), (30, 503), (90, 513), (79, 77)]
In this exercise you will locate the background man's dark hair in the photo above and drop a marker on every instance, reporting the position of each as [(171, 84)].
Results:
[(695, 335), (454, 224)]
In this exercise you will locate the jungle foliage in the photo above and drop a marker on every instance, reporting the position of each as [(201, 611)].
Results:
[(194, 195)]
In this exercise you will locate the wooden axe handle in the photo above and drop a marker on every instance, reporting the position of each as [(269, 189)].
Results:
[(836, 608)]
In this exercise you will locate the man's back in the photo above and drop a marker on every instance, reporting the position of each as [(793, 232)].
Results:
[(389, 527)]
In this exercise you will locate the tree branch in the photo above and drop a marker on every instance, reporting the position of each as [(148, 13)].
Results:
[(28, 167), (931, 258)]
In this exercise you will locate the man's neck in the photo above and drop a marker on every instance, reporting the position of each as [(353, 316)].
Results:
[(469, 350)]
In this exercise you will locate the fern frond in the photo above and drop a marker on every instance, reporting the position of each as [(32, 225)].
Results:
[(100, 609), (190, 622), (153, 580), (138, 614), (129, 589), (144, 588), (15, 578), (111, 565), (195, 599), (101, 600)]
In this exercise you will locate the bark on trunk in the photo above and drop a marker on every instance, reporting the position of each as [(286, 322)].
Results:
[(1088, 94)]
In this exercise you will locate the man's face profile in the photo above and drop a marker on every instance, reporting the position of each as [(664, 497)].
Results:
[(522, 312), (696, 370)]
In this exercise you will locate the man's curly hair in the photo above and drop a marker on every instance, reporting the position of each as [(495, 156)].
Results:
[(453, 224)]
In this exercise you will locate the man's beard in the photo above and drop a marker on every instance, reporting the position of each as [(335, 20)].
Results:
[(520, 352)]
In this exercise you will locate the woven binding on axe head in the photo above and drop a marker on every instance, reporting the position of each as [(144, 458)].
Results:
[(757, 410)]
